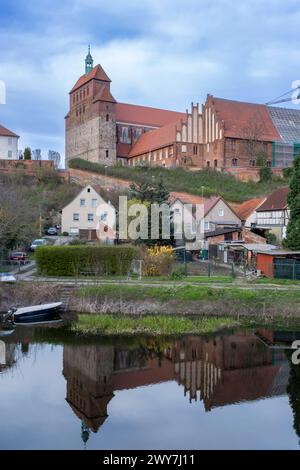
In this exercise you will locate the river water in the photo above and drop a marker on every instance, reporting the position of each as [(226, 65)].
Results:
[(237, 390)]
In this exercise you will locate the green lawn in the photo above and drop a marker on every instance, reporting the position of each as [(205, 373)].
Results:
[(209, 181)]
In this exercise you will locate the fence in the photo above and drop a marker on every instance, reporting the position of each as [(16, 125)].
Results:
[(193, 266), (7, 266), (287, 269)]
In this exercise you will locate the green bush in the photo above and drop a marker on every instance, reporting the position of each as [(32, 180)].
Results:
[(76, 260)]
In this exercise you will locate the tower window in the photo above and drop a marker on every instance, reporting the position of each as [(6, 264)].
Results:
[(106, 153), (216, 163), (107, 117)]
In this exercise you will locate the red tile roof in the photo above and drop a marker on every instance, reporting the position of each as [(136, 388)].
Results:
[(6, 132), (239, 117), (104, 95), (96, 73), (145, 116), (248, 207), (155, 139), (276, 201)]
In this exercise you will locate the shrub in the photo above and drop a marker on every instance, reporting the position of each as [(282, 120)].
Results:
[(158, 261), (74, 260)]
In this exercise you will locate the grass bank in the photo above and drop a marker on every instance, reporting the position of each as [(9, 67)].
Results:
[(160, 325), (152, 325), (187, 300), (178, 179)]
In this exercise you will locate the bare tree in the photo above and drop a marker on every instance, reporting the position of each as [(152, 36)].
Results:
[(55, 157), (37, 154), (253, 134)]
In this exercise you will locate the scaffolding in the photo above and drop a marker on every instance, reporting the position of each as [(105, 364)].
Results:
[(284, 153)]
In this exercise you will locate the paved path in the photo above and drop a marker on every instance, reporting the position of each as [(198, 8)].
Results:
[(97, 282)]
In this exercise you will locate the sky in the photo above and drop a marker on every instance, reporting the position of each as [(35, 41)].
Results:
[(161, 53)]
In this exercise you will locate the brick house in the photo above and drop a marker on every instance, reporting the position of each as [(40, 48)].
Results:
[(235, 134)]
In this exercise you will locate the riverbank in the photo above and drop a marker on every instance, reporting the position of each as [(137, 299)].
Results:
[(163, 325), (187, 300)]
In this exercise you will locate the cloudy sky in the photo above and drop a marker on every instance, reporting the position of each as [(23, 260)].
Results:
[(162, 53)]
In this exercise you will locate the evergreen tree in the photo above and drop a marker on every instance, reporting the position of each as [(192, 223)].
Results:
[(150, 191), (27, 153), (292, 239)]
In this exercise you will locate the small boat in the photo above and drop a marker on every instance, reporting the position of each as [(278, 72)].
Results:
[(43, 313)]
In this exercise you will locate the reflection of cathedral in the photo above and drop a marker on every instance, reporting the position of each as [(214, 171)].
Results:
[(219, 371)]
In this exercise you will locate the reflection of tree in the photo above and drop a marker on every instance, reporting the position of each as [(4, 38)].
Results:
[(293, 390)]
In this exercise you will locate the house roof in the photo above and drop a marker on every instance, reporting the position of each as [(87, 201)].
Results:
[(6, 132), (97, 73), (221, 231), (276, 201), (146, 116), (154, 139), (209, 203), (248, 207), (239, 116)]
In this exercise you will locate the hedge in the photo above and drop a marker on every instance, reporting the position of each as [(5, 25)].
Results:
[(76, 260)]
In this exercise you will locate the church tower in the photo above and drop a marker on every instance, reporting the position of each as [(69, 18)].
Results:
[(91, 120), (88, 62)]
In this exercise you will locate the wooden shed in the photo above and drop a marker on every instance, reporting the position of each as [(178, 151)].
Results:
[(280, 264)]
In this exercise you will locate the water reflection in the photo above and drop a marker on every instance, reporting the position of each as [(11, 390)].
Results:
[(212, 371), (217, 372)]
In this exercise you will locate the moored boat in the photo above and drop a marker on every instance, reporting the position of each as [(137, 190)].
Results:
[(42, 313)]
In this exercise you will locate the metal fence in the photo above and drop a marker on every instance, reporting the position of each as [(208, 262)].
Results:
[(287, 269), (194, 266)]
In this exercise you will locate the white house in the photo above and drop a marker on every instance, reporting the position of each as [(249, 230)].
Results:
[(89, 216), (273, 214), (8, 144)]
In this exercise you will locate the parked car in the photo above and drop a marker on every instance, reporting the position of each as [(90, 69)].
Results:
[(37, 242), (7, 277), (52, 231), (20, 256)]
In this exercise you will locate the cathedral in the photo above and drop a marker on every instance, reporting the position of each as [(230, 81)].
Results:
[(224, 135), (101, 130)]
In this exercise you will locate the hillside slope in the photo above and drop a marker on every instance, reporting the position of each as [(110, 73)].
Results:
[(204, 182)]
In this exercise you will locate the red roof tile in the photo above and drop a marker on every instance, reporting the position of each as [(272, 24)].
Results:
[(104, 95), (239, 117), (248, 207), (155, 139), (6, 132), (276, 201), (96, 73), (145, 116)]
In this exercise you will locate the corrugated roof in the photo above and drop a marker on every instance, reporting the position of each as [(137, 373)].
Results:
[(6, 132), (146, 116), (239, 117), (276, 201)]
